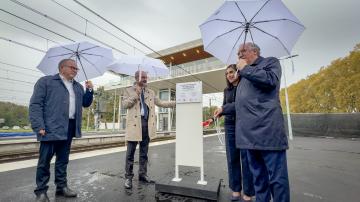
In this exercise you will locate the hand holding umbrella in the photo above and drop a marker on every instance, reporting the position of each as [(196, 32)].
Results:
[(129, 64), (89, 85)]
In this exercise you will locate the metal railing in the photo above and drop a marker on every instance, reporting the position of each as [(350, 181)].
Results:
[(175, 71)]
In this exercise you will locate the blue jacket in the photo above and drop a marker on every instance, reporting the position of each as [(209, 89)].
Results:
[(259, 118), (49, 107)]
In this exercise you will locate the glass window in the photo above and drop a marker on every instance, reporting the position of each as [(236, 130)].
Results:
[(164, 95), (163, 122)]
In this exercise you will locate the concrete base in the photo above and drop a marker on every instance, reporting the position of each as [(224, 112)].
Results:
[(189, 187)]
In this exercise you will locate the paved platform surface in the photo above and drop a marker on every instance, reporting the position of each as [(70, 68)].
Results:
[(320, 170)]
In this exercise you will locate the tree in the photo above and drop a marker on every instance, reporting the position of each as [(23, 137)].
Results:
[(106, 100), (335, 88), (14, 115)]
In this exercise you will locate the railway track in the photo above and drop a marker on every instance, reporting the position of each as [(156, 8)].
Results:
[(27, 154), (33, 154)]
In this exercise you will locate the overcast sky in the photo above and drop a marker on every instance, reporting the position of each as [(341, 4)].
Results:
[(332, 30)]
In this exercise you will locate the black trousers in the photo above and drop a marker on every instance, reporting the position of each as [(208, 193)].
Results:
[(143, 154), (47, 150)]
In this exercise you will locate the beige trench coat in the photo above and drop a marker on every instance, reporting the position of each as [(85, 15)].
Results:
[(131, 102)]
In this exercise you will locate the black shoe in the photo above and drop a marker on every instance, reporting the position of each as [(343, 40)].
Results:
[(66, 191), (146, 179), (128, 184), (42, 198), (235, 198)]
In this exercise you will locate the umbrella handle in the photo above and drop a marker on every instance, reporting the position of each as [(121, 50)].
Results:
[(78, 57)]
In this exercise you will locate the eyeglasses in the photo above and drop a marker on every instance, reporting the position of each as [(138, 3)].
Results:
[(243, 50), (72, 67)]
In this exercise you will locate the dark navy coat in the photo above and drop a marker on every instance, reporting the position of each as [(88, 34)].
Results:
[(49, 107), (259, 118)]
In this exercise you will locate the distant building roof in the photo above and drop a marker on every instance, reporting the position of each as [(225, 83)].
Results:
[(183, 53)]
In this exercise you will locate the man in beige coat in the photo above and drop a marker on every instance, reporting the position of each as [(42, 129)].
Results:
[(140, 125)]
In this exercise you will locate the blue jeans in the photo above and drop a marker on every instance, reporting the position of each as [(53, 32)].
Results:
[(270, 175), (61, 149), (237, 161)]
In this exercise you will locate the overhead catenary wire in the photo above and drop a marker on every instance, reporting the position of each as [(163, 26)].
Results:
[(88, 21), (17, 66), (37, 25), (214, 97), (110, 23), (94, 24), (137, 40), (16, 80), (213, 102), (9, 70), (25, 30), (65, 25), (25, 45), (44, 15), (22, 44), (15, 97), (34, 10)]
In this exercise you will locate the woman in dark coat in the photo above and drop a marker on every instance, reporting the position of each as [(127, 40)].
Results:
[(236, 158)]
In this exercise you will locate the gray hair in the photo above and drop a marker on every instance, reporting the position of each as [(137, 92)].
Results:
[(137, 74), (63, 61), (253, 47)]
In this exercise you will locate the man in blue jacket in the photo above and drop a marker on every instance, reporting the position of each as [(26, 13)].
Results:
[(259, 123), (55, 113)]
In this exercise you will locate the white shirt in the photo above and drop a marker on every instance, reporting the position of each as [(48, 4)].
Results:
[(70, 88)]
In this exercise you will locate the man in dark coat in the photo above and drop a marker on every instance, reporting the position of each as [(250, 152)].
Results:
[(259, 123), (55, 113)]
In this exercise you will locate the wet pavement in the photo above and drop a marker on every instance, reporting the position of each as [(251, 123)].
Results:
[(319, 169)]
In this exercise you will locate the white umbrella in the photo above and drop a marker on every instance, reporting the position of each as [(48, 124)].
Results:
[(91, 59), (129, 64), (268, 23)]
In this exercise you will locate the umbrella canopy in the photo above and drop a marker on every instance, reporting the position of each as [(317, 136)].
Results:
[(91, 59), (129, 64), (268, 23)]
